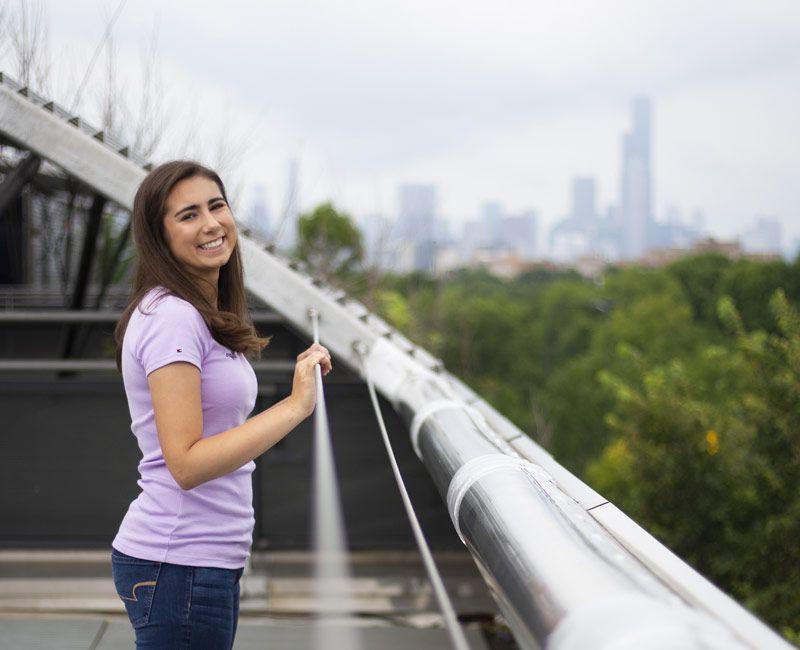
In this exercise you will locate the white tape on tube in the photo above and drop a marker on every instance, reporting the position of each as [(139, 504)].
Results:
[(474, 470), (433, 407)]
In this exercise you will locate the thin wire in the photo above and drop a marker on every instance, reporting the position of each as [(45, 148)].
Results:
[(455, 631)]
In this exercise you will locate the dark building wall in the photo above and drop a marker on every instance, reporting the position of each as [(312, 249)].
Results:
[(68, 470), (13, 243), (373, 510)]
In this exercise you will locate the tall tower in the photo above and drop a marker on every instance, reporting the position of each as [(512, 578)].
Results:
[(584, 201), (285, 236), (259, 211), (636, 187), (417, 223)]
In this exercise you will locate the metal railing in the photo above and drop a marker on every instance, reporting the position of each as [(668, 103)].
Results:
[(75, 121)]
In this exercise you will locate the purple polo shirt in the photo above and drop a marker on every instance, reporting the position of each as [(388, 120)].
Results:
[(212, 524)]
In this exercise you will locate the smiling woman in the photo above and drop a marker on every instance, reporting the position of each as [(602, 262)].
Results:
[(182, 546), (199, 227)]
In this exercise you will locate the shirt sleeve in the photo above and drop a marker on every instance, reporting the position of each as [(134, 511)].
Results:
[(173, 330)]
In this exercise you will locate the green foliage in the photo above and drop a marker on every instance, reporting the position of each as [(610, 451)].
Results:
[(751, 284), (701, 278), (707, 457), (394, 308), (674, 392), (330, 243)]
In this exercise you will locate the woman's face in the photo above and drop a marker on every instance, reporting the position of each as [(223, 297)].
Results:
[(199, 227)]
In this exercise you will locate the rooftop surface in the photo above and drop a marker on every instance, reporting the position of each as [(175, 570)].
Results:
[(66, 599)]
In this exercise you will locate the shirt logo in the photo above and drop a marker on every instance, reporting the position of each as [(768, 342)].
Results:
[(231, 355)]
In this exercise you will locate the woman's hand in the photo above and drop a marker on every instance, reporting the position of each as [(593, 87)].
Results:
[(304, 391)]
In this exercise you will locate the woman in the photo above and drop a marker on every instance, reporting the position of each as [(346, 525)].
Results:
[(181, 344)]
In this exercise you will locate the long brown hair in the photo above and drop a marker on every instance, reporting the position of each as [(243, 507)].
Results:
[(230, 324)]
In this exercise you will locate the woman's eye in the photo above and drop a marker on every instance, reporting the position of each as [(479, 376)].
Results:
[(217, 206), (186, 216)]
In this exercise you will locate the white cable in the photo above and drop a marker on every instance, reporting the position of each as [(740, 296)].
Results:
[(457, 637), (331, 569)]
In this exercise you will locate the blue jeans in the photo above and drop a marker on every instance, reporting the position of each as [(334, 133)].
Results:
[(177, 607)]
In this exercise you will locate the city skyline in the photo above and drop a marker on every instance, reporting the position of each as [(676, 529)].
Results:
[(763, 234), (505, 105), (421, 238)]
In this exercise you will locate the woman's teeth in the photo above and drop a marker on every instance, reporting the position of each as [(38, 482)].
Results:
[(212, 244)]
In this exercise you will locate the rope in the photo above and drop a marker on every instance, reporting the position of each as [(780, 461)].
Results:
[(454, 630), (331, 569)]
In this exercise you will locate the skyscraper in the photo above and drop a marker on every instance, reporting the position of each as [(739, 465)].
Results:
[(492, 216), (285, 235), (584, 201), (519, 234), (636, 186), (259, 212), (577, 234), (765, 236), (417, 223)]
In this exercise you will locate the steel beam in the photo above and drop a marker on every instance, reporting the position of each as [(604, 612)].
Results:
[(84, 269), (18, 178), (50, 136)]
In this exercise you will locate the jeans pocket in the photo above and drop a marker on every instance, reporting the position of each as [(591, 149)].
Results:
[(136, 586)]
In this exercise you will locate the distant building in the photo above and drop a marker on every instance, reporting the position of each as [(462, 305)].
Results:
[(498, 230), (417, 224), (448, 259), (568, 243), (636, 195), (379, 240), (793, 249), (584, 200), (582, 232), (765, 236), (730, 249), (285, 232), (627, 230), (259, 218), (500, 263), (658, 257), (492, 215), (519, 233)]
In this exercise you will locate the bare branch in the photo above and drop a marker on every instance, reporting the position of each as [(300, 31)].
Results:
[(106, 35), (110, 98), (150, 123), (232, 147), (3, 33), (28, 37)]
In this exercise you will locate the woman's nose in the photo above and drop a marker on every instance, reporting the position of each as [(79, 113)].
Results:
[(210, 223)]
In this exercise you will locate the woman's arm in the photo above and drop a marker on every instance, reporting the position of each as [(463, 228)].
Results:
[(192, 459)]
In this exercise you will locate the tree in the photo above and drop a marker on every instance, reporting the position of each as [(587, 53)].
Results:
[(700, 277), (706, 455), (329, 243), (751, 284)]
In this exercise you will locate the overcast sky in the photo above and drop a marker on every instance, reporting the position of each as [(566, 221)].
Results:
[(499, 100)]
